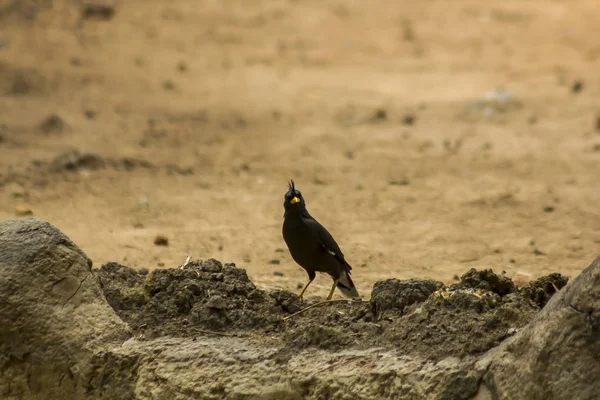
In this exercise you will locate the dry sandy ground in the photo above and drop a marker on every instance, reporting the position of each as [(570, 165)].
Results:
[(376, 109)]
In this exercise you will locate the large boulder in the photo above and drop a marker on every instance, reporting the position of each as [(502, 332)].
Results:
[(557, 355), (53, 314)]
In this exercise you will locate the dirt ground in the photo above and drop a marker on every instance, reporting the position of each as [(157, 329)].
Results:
[(427, 137)]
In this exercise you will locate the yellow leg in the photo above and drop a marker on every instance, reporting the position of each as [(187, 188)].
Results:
[(335, 282), (304, 289)]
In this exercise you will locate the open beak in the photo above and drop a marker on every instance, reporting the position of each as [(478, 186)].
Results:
[(294, 200)]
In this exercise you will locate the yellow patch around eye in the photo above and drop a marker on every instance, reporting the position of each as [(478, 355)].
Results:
[(294, 200)]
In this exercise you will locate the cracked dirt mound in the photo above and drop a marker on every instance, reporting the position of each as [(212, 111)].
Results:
[(420, 317)]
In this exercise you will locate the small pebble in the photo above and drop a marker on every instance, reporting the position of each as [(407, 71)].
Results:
[(408, 119), (277, 273), (275, 262), (577, 86), (23, 211), (380, 115), (143, 271), (548, 209), (161, 240)]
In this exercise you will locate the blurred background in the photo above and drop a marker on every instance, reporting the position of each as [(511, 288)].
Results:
[(428, 137)]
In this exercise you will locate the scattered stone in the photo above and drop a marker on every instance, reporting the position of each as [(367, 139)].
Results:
[(577, 86), (161, 240), (548, 209), (143, 271), (98, 9), (182, 67), (408, 119), (494, 102), (74, 161), (168, 85), (275, 262), (538, 252), (379, 115), (53, 124), (23, 210), (277, 273), (90, 114), (129, 164)]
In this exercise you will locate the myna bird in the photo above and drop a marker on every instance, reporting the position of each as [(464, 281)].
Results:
[(312, 247)]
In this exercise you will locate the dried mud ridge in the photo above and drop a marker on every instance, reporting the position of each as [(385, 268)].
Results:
[(420, 317)]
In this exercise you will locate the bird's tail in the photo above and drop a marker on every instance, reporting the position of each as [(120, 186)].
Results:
[(346, 286)]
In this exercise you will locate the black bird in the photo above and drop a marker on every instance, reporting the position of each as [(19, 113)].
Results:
[(312, 247)]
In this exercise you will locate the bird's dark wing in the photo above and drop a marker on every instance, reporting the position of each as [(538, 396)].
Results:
[(327, 241)]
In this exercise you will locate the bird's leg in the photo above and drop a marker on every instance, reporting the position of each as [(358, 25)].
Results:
[(335, 282), (304, 288)]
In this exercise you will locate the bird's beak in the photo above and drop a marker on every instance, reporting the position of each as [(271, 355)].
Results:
[(294, 200)]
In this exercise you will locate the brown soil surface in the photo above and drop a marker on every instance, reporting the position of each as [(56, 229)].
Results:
[(420, 318), (188, 118)]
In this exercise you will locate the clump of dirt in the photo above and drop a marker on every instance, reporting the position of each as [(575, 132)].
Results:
[(486, 280), (462, 324), (542, 289), (393, 294), (420, 317), (182, 302)]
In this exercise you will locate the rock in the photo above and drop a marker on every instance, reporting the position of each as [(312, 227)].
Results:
[(556, 355), (577, 86), (52, 312), (379, 114), (98, 9), (75, 161), (408, 119), (53, 124), (161, 240), (23, 210)]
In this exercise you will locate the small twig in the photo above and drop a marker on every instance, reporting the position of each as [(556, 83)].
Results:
[(322, 303)]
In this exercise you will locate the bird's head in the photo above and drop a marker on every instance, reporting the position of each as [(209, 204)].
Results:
[(293, 198)]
